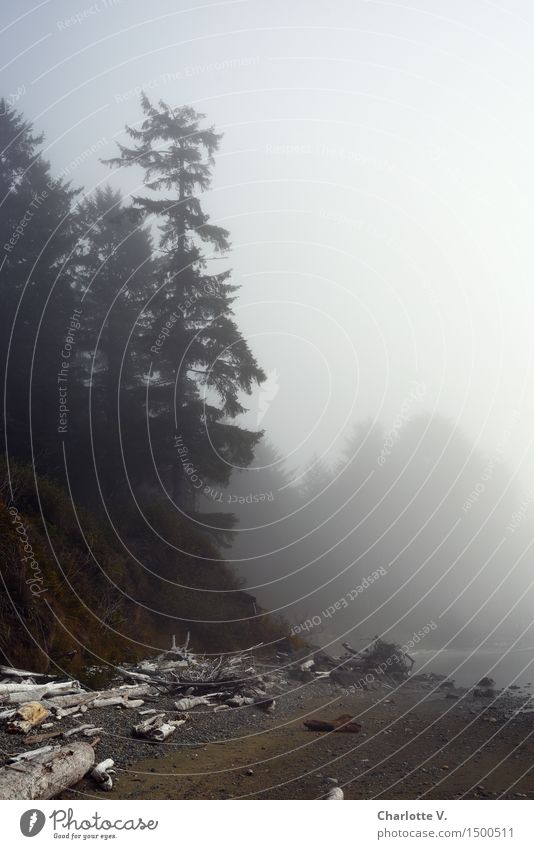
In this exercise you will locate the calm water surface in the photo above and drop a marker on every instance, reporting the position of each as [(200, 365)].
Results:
[(506, 666)]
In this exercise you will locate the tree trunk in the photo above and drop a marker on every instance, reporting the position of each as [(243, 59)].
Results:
[(182, 494)]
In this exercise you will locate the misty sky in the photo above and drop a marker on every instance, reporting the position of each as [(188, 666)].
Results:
[(375, 175)]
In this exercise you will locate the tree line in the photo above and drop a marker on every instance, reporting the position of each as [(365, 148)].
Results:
[(119, 347)]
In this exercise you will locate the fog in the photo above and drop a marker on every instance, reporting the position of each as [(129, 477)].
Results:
[(375, 174), (408, 529)]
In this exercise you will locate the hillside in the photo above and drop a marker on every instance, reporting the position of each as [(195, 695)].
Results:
[(73, 595)]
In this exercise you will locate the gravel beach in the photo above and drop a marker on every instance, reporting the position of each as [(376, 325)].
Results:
[(419, 740)]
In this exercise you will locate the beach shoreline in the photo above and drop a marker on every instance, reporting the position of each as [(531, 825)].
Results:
[(419, 740)]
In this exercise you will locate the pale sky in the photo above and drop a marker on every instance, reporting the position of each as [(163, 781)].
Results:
[(375, 173)]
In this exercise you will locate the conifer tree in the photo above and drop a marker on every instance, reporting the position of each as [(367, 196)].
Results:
[(37, 234), (114, 277), (204, 364)]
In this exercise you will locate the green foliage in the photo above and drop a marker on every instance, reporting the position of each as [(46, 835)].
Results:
[(122, 578), (37, 234), (205, 363), (86, 593)]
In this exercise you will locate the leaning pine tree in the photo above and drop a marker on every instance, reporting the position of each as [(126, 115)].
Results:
[(204, 364)]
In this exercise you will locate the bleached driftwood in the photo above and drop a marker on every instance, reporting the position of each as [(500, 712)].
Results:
[(16, 694), (71, 700), (77, 710), (160, 734), (173, 665), (125, 690), (101, 773), (130, 690), (5, 714), (78, 729), (157, 728), (86, 730), (11, 672), (98, 698), (199, 679), (141, 676), (6, 689), (48, 774), (29, 756), (19, 697), (49, 687), (181, 649), (143, 726), (147, 666), (189, 704), (26, 717), (108, 701), (335, 793)]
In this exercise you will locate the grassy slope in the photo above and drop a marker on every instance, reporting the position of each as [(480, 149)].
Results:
[(90, 595)]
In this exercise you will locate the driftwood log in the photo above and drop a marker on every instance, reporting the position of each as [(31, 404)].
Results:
[(69, 701), (139, 676), (23, 673), (77, 710), (28, 716), (29, 740), (18, 693), (157, 728), (98, 698), (194, 701), (102, 772), (28, 756), (47, 775), (342, 723)]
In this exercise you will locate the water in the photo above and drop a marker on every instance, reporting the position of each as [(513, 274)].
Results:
[(505, 666), (96, 677)]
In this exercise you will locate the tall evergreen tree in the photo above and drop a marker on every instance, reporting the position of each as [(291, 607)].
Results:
[(204, 363), (37, 234), (114, 278)]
